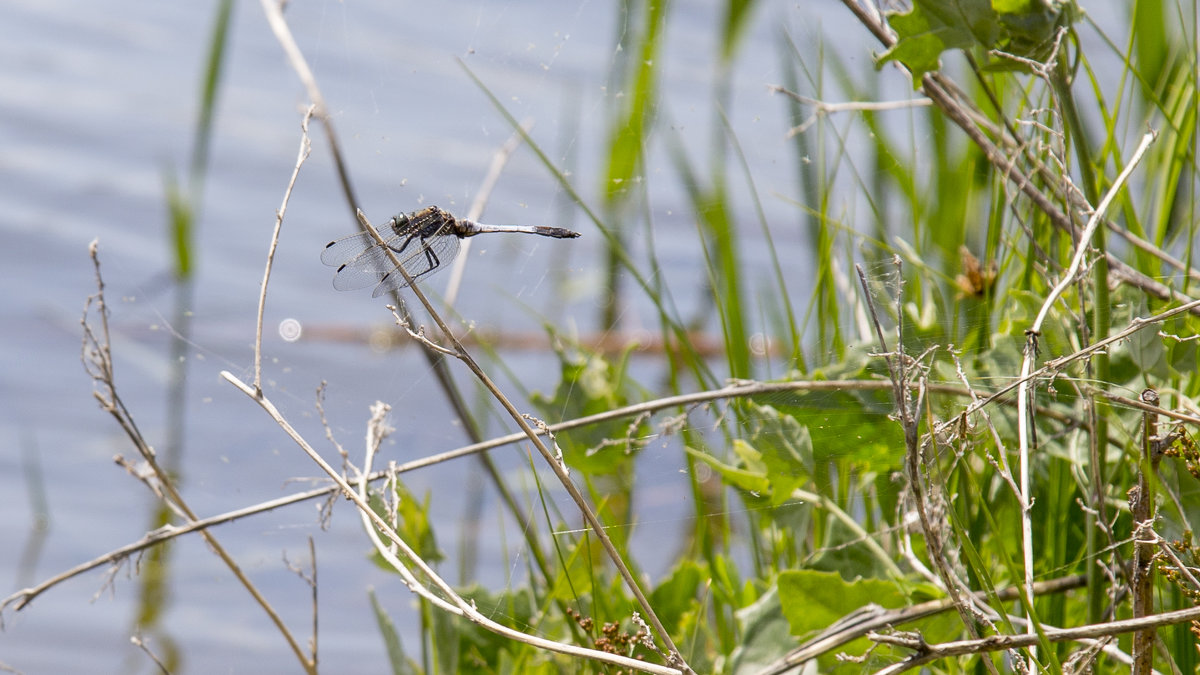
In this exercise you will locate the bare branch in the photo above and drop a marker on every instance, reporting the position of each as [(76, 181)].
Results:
[(305, 149), (927, 653), (823, 109), (97, 357)]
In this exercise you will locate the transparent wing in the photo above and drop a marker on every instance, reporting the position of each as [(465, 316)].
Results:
[(360, 261), (364, 270), (435, 254), (346, 249)]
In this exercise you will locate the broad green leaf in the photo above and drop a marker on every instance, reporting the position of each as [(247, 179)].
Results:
[(812, 601), (678, 594), (785, 448), (933, 26), (764, 633), (1024, 28)]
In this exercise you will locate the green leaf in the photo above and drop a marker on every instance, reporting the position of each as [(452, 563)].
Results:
[(209, 90), (1030, 25), (764, 633), (591, 384), (933, 26), (401, 664), (180, 216), (786, 450), (736, 14), (678, 594), (1024, 28), (812, 600), (629, 134), (750, 479)]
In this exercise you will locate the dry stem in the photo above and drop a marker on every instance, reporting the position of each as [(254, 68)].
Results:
[(305, 149), (97, 358)]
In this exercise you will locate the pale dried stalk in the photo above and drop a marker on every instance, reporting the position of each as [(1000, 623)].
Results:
[(1025, 393), (927, 653), (456, 605), (824, 109), (97, 358), (897, 361), (735, 390), (305, 149)]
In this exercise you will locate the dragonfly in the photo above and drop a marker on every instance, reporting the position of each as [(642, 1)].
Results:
[(423, 242)]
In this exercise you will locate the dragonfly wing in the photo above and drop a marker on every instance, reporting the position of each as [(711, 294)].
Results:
[(364, 268), (342, 251), (356, 249), (353, 278), (435, 254)]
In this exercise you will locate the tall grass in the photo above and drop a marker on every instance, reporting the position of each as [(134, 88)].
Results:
[(825, 524)]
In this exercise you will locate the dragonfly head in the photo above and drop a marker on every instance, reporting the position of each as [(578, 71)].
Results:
[(398, 222)]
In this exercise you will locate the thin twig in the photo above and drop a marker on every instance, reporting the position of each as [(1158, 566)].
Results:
[(926, 653), (823, 109), (1084, 245), (1025, 391), (310, 579), (305, 149), (138, 642), (1141, 511), (283, 34), (934, 542), (97, 357)]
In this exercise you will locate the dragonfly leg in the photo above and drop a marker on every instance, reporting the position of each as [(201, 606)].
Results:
[(406, 243), (430, 256)]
